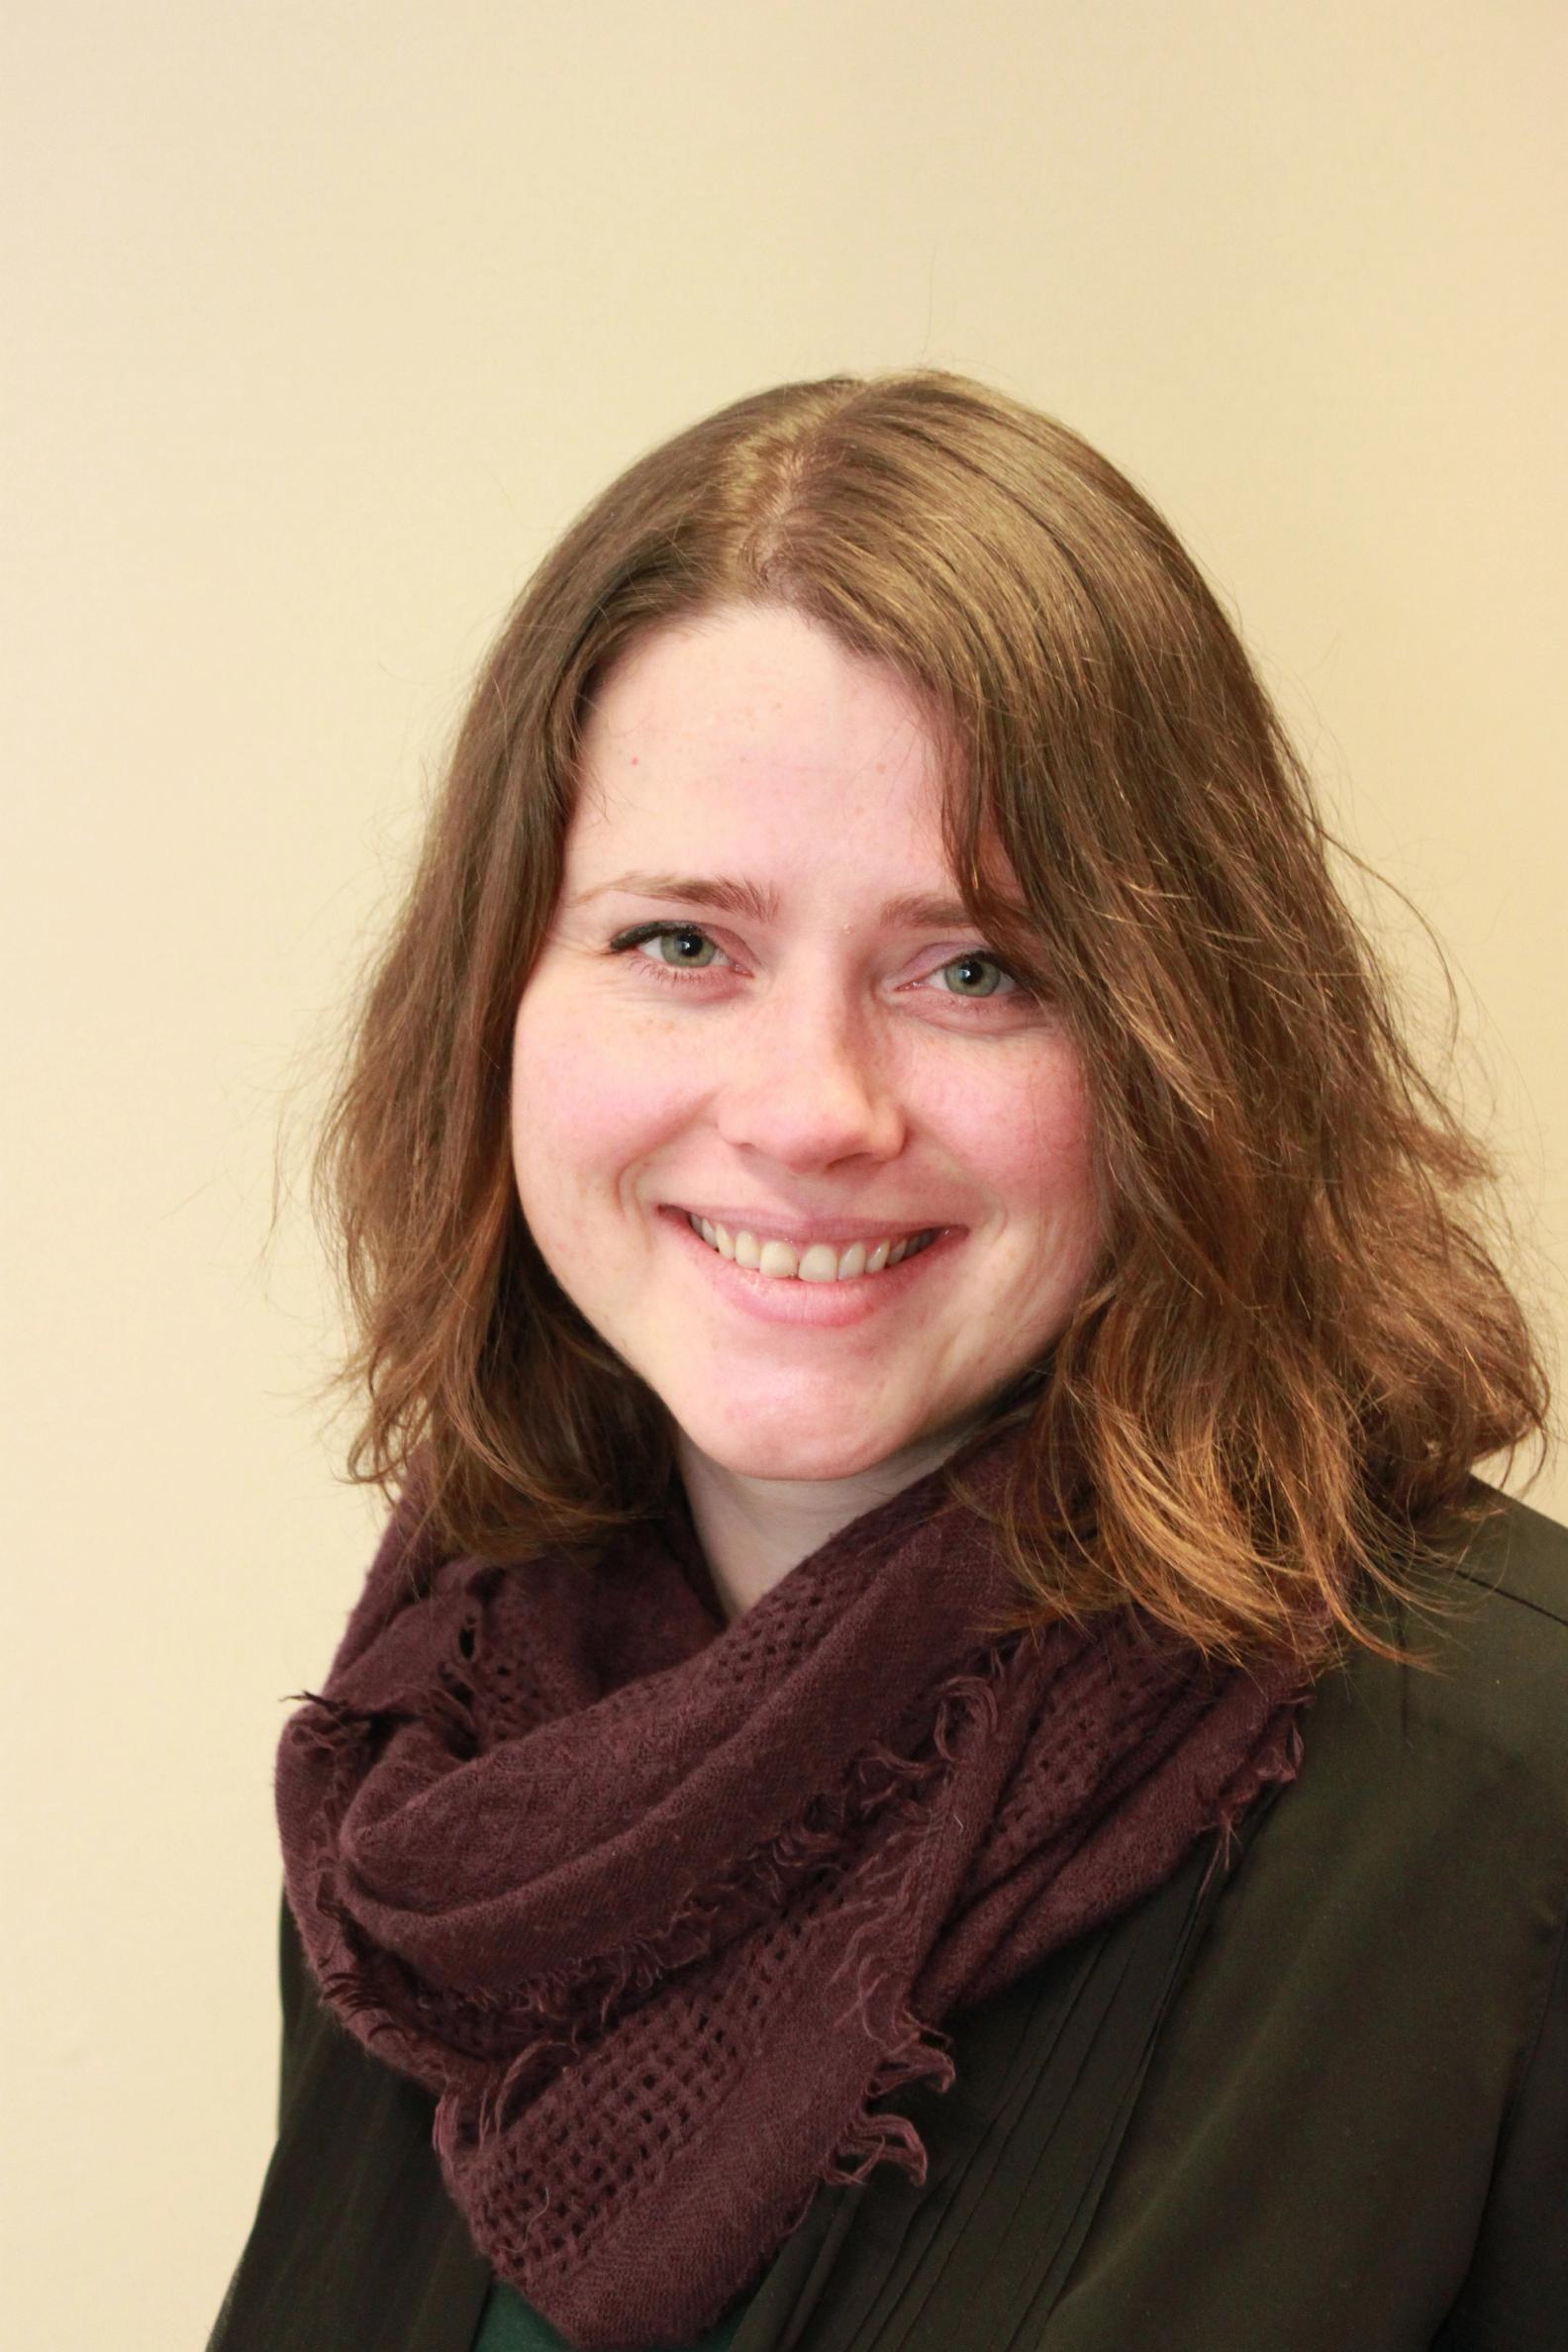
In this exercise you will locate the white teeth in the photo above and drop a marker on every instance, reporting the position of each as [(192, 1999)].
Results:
[(820, 1262)]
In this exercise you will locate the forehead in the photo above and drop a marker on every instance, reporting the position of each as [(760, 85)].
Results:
[(754, 714)]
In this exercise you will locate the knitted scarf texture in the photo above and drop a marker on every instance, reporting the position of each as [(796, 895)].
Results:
[(661, 1910)]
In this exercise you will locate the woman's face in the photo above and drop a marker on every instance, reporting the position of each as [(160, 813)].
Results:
[(806, 1055)]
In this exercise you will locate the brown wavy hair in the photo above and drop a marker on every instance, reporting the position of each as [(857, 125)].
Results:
[(1297, 1344)]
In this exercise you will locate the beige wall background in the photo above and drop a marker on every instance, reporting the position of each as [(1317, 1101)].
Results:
[(320, 321)]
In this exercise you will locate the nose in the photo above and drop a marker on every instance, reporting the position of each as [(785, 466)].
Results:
[(808, 1079)]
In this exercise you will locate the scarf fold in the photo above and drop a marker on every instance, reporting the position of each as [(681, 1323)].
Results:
[(661, 1910)]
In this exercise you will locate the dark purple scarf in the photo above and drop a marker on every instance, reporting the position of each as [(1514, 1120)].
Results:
[(660, 1908)]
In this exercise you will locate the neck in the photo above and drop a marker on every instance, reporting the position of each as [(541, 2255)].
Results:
[(754, 1531)]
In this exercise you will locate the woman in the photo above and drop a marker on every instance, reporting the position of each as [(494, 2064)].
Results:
[(942, 1748)]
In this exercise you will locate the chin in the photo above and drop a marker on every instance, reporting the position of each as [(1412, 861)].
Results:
[(817, 1453)]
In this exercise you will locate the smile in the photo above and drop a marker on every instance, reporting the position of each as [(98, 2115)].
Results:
[(820, 1262)]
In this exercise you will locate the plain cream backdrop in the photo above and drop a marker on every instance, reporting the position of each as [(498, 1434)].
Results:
[(320, 321)]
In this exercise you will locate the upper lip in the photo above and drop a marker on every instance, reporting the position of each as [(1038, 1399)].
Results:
[(802, 1232)]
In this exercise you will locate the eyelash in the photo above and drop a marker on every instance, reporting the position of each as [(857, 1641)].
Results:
[(623, 942)]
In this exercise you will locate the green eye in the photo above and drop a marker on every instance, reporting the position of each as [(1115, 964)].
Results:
[(685, 936), (666, 932), (974, 961)]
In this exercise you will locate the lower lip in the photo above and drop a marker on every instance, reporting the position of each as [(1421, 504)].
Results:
[(822, 1306)]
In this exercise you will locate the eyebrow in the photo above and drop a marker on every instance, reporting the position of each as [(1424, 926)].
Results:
[(913, 909)]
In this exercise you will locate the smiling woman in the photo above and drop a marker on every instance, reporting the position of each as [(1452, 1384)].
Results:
[(943, 1746), (824, 1083)]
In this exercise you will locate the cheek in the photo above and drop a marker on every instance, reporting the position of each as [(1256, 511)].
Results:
[(1024, 1113), (584, 1105), (1041, 1142)]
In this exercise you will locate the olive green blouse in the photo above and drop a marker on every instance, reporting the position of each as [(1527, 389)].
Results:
[(1322, 2109)]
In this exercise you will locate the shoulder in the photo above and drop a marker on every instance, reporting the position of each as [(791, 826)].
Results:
[(1496, 1637), (1469, 1743), (1520, 1557), (1378, 1986)]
